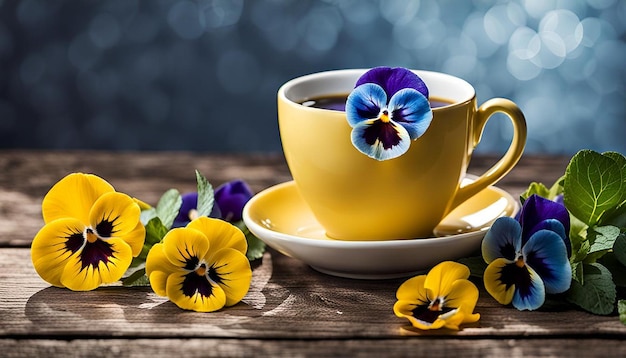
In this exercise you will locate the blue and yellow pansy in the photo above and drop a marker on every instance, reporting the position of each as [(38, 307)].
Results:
[(388, 109), (529, 258)]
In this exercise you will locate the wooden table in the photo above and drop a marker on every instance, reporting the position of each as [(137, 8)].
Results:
[(290, 310)]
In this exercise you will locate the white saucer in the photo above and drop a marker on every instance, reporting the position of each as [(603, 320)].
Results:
[(280, 217)]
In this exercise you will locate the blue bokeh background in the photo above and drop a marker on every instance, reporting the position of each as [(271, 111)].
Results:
[(202, 75)]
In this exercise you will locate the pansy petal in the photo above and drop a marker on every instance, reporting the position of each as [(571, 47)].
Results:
[(502, 291), (454, 319), (407, 309), (220, 233), (502, 240), (546, 254), (73, 197), (412, 297), (381, 140), (440, 279), (189, 202), (158, 282), (463, 295), (142, 204), (536, 209), (393, 80), (158, 268), (184, 247), (469, 317), (187, 209), (158, 261), (191, 291), (365, 103), (557, 227), (230, 269), (231, 197), (97, 263), (136, 238), (114, 269), (532, 295), (413, 290), (411, 109), (118, 215), (404, 308), (53, 245)]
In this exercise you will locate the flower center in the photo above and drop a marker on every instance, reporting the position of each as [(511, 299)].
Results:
[(520, 262), (90, 236), (384, 116), (193, 214), (432, 312), (435, 305), (201, 270)]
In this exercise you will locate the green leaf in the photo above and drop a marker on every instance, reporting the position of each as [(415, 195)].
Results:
[(205, 195), (155, 231), (577, 272), (578, 238), (557, 188), (476, 265), (543, 191), (619, 249), (593, 184), (615, 216), (597, 294), (621, 309), (168, 206), (256, 247), (618, 270), (602, 238), (147, 215), (535, 188), (137, 278), (620, 159), (580, 248)]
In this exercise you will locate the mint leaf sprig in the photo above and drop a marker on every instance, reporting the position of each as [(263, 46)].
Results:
[(593, 190)]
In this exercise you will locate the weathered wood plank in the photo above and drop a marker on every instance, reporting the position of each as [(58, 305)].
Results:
[(26, 176), (189, 348), (287, 300)]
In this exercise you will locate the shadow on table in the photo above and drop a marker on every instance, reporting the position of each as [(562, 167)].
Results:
[(283, 291)]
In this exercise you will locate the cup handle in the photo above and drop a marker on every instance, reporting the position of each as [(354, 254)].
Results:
[(510, 158)]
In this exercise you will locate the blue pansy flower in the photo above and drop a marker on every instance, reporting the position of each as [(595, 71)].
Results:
[(388, 109), (230, 198), (530, 257)]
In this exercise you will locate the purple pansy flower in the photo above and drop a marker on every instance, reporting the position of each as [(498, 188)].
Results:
[(387, 109), (230, 199), (530, 257)]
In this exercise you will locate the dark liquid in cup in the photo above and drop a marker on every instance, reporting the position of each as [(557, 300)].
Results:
[(338, 102)]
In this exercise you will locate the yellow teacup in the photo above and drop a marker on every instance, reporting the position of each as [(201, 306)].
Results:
[(355, 197)]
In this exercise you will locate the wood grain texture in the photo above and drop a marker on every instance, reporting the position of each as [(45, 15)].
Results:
[(287, 300), (195, 347), (26, 176)]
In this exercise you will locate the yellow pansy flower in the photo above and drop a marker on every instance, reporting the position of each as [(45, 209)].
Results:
[(90, 236), (201, 267), (442, 298)]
